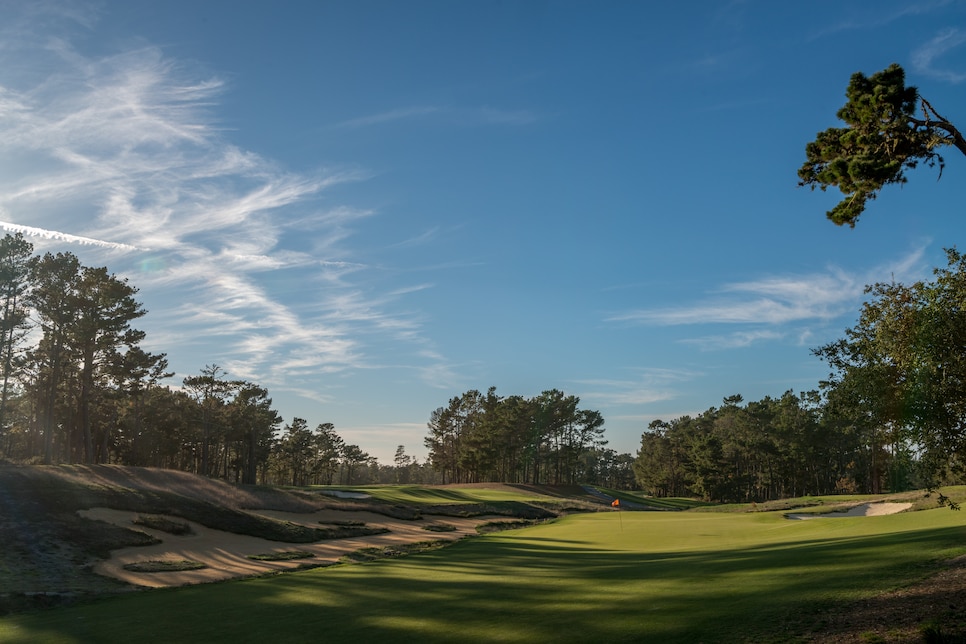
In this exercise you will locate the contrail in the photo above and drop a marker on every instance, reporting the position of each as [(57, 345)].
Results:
[(29, 231)]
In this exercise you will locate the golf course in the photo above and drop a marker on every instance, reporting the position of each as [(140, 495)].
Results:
[(484, 563)]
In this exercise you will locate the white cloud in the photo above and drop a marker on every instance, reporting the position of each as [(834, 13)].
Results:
[(778, 300), (924, 59), (399, 114), (736, 340), (650, 386), (30, 231), (484, 115), (871, 16), (122, 154)]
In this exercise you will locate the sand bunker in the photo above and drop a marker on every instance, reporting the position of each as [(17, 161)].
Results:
[(864, 510), (226, 554)]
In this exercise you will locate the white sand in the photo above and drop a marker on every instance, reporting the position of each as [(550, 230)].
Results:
[(864, 510)]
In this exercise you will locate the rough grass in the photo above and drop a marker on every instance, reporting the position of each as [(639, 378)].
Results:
[(164, 566), (284, 555), (498, 526), (49, 550), (364, 555), (163, 524), (60, 495)]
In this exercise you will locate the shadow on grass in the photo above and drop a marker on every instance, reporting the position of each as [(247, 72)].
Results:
[(519, 589), (421, 494)]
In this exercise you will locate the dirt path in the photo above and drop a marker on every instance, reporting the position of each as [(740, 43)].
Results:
[(226, 554)]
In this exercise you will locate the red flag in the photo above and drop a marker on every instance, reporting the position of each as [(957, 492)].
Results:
[(616, 503)]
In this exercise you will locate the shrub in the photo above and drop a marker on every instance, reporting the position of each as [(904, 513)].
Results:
[(164, 566), (163, 524), (285, 555)]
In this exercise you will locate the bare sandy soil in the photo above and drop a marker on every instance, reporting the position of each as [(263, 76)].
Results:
[(226, 554)]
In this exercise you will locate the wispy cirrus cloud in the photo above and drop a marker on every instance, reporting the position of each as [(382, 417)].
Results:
[(400, 114), (875, 16), (769, 301), (648, 386), (466, 116), (736, 340), (121, 159), (924, 59), (775, 301)]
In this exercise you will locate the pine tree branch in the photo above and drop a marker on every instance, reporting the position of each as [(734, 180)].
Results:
[(942, 123)]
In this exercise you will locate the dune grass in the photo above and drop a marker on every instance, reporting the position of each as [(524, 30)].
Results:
[(284, 555), (164, 566), (637, 576)]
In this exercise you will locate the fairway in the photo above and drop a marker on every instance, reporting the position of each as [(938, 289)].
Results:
[(633, 576)]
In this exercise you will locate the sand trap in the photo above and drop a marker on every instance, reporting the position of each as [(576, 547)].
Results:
[(864, 510), (226, 553)]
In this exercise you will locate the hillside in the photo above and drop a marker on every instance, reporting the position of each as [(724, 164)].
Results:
[(59, 526)]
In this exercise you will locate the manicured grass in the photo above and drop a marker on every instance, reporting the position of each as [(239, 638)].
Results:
[(658, 503), (920, 499), (464, 501), (633, 576), (417, 494)]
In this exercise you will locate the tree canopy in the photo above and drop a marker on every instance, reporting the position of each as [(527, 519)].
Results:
[(884, 136), (900, 371), (485, 437)]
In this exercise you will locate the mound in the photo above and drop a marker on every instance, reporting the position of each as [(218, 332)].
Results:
[(68, 531), (226, 555)]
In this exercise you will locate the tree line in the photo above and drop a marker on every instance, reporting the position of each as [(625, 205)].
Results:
[(77, 387), (766, 449), (901, 370), (890, 416), (544, 439)]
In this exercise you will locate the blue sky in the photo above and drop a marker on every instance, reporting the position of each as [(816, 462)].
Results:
[(370, 207)]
